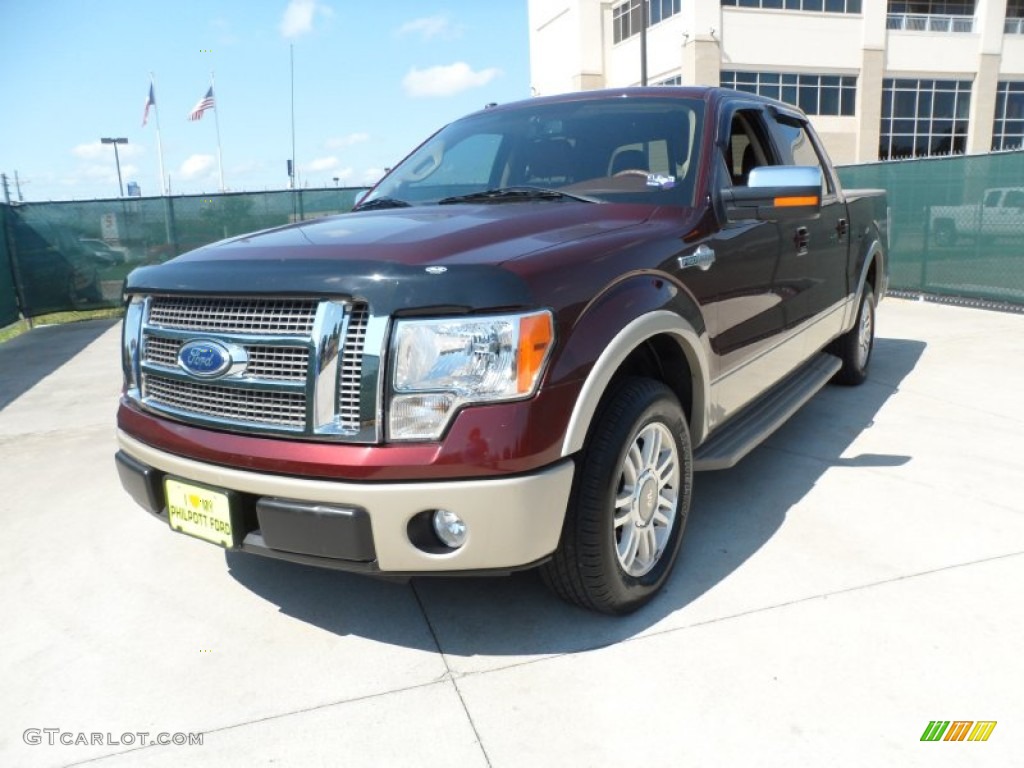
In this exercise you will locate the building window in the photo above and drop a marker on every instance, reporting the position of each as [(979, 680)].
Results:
[(931, 16), (626, 19), (814, 94), (923, 117), (1014, 17), (821, 6), (1008, 127), (659, 10), (674, 80)]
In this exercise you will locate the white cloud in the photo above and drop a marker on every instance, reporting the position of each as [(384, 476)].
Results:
[(322, 164), (338, 142), (98, 172), (372, 175), (245, 167), (196, 165), (299, 15), (94, 150), (429, 27), (446, 80)]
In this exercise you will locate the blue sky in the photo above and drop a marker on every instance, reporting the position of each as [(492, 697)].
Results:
[(372, 79)]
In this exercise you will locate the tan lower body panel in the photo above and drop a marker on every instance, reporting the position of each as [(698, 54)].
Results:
[(510, 521)]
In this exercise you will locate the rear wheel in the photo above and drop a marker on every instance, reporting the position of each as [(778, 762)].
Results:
[(944, 233), (854, 347), (629, 505)]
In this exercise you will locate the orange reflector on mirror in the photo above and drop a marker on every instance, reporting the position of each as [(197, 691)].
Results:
[(790, 202)]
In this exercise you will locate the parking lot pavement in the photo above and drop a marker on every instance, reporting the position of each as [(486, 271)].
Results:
[(853, 579)]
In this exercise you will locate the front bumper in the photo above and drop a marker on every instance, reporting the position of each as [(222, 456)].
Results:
[(512, 522)]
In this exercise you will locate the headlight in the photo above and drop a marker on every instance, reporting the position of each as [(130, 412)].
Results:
[(130, 341), (440, 365)]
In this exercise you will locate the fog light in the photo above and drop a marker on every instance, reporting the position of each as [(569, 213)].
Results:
[(449, 528)]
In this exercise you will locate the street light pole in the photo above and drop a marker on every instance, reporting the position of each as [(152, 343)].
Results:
[(643, 42), (117, 159)]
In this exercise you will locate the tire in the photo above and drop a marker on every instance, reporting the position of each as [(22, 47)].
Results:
[(854, 347), (84, 289), (944, 233), (631, 495)]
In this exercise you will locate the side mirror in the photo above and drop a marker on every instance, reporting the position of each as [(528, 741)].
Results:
[(776, 193)]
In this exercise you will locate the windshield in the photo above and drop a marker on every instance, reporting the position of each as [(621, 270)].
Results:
[(632, 149)]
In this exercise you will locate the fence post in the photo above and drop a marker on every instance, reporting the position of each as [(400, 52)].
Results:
[(925, 245), (12, 257), (170, 225)]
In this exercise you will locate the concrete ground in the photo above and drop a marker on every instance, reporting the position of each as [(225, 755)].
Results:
[(855, 578)]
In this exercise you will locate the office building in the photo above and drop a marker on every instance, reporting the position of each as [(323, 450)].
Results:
[(880, 80)]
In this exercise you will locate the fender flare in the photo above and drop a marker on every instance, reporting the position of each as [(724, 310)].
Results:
[(615, 353), (875, 255)]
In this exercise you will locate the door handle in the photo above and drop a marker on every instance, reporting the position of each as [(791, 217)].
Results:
[(842, 227), (801, 240)]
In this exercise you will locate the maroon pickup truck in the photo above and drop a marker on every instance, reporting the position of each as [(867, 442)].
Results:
[(516, 352)]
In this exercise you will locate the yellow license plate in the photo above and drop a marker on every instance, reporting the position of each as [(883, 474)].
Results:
[(199, 512)]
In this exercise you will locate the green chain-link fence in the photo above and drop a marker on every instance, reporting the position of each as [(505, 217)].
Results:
[(8, 297), (956, 223), (75, 255), (956, 229)]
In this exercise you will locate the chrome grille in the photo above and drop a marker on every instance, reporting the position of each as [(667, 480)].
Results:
[(249, 406), (222, 315), (297, 353), (275, 363), (162, 351), (350, 378), (278, 363)]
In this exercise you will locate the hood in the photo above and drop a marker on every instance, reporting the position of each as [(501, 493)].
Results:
[(382, 256), (439, 234)]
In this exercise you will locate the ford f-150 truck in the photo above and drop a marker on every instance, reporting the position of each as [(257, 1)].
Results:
[(999, 214), (517, 350)]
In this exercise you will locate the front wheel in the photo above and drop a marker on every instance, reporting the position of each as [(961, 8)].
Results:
[(854, 347), (629, 505)]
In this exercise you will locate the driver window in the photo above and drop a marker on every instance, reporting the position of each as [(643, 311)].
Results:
[(746, 150)]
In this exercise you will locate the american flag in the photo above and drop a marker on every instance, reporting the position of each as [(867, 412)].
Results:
[(204, 104), (150, 102)]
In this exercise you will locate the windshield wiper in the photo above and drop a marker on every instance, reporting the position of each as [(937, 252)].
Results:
[(515, 194), (381, 202)]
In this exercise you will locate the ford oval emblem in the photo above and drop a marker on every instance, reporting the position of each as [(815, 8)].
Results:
[(203, 358)]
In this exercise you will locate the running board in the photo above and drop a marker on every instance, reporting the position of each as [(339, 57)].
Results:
[(744, 432)]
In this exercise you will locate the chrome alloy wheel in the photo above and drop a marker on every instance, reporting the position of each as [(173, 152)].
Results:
[(646, 499), (865, 333)]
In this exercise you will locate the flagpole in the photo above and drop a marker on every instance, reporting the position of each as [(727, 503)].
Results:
[(291, 57), (159, 143), (216, 122)]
